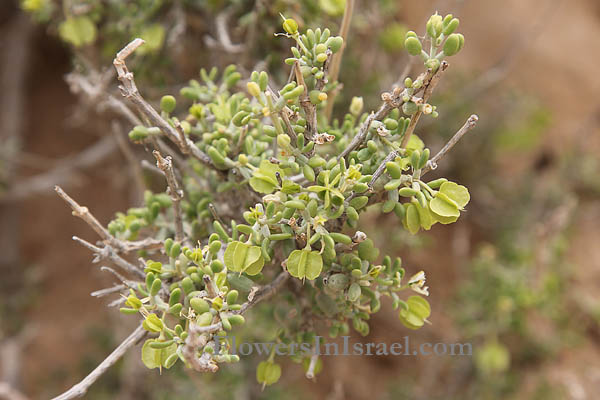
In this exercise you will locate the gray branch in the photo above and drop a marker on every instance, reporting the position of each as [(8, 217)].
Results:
[(82, 387)]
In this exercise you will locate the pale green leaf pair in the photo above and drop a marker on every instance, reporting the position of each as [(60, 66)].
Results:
[(158, 358), (449, 200), (268, 373), (264, 179), (414, 312), (242, 257), (305, 264)]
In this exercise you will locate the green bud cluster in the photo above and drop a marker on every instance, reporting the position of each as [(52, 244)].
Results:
[(443, 42)]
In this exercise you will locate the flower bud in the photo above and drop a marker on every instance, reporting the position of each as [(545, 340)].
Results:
[(452, 44), (413, 46), (432, 64), (263, 81), (335, 43), (253, 89), (290, 26), (153, 323), (435, 25), (356, 106), (167, 104), (451, 26)]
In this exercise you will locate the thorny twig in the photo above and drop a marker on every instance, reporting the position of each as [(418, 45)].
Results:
[(166, 166), (107, 238), (82, 387), (131, 92)]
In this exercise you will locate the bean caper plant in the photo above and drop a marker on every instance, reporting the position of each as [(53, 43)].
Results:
[(266, 196)]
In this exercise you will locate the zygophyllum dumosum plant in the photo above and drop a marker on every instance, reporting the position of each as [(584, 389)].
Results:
[(265, 196)]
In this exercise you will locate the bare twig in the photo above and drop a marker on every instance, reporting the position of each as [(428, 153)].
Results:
[(82, 387), (390, 101), (266, 291), (166, 166), (432, 163), (223, 40), (429, 87), (310, 372), (381, 167), (116, 244), (336, 61), (108, 253), (110, 290), (130, 91), (309, 108)]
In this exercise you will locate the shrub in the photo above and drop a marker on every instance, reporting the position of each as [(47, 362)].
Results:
[(266, 196)]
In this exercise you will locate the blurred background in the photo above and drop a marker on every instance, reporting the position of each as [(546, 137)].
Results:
[(517, 275)]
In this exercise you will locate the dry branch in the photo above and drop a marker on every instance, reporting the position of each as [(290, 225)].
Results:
[(107, 238), (166, 166), (82, 387), (130, 91)]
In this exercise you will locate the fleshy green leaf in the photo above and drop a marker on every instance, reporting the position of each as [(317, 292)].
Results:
[(368, 251), (412, 219)]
